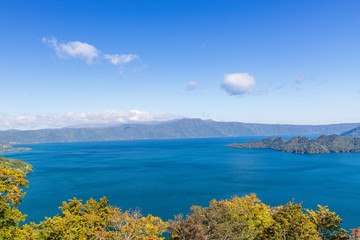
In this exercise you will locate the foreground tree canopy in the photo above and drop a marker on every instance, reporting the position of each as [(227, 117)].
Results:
[(16, 165), (232, 219)]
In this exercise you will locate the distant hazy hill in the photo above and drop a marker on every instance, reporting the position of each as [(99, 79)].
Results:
[(183, 128), (324, 144), (355, 132)]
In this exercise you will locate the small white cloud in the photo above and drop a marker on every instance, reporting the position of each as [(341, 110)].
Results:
[(300, 79), (191, 85), (76, 49), (238, 83), (88, 53), (120, 59), (79, 118)]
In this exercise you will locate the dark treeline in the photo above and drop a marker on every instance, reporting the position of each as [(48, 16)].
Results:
[(303, 145), (236, 218)]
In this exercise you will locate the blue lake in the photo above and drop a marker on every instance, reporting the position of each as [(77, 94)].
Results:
[(166, 177)]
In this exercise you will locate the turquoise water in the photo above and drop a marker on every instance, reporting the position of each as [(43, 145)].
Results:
[(166, 177)]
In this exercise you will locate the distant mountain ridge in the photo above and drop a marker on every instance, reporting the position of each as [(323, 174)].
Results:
[(355, 132), (183, 128)]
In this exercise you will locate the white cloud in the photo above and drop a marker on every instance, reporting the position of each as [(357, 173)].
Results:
[(87, 53), (238, 83), (191, 85), (121, 59), (76, 49), (80, 118)]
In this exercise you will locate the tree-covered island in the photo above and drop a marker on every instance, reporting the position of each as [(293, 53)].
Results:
[(9, 148), (303, 145)]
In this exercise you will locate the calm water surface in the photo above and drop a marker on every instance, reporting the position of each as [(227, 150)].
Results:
[(166, 177)]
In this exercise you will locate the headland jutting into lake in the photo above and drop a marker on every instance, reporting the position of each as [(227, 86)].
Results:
[(303, 145)]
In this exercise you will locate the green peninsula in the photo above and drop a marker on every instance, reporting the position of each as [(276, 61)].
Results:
[(9, 148), (303, 145), (16, 165)]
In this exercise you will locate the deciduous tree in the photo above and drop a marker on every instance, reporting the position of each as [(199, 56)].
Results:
[(291, 223), (328, 224), (237, 218), (11, 194)]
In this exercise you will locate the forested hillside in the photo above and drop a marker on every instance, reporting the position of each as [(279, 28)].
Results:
[(184, 128), (355, 132), (324, 144), (16, 165)]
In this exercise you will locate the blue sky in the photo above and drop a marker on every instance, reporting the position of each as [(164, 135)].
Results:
[(75, 62)]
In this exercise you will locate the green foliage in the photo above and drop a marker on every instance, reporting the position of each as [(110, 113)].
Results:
[(16, 165), (132, 225), (323, 144), (9, 148), (291, 223), (11, 194), (97, 220), (237, 218), (248, 218), (77, 221), (328, 223)]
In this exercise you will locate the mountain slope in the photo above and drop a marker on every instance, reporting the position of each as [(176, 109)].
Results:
[(355, 132), (183, 128)]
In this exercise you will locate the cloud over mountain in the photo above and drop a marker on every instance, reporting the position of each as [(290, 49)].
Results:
[(47, 120)]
